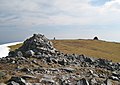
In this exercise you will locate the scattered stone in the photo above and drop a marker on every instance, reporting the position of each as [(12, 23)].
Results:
[(52, 67)]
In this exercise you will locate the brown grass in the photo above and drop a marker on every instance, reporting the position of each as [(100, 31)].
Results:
[(93, 48), (13, 47)]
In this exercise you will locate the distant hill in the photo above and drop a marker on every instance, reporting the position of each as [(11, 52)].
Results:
[(92, 48)]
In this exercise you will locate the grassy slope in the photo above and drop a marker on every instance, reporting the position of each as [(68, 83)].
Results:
[(13, 47), (99, 49)]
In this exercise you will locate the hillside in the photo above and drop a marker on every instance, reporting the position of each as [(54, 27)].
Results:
[(93, 48), (38, 61)]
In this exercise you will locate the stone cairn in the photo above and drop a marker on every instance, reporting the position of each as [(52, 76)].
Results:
[(35, 45)]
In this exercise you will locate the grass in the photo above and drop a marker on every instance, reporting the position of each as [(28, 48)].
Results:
[(92, 48), (13, 47)]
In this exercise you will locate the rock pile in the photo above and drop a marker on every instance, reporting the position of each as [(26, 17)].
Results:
[(36, 45), (41, 62)]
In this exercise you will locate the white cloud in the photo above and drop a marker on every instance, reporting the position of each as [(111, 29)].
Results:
[(60, 12)]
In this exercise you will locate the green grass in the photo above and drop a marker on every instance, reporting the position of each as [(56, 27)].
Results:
[(93, 48)]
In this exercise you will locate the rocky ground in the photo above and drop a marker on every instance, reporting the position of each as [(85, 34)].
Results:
[(37, 62)]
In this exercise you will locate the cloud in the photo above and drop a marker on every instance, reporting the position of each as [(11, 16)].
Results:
[(29, 13), (113, 5)]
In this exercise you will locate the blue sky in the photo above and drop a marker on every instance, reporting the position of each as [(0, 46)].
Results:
[(63, 19)]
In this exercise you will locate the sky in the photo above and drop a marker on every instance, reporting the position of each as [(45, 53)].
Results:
[(63, 19)]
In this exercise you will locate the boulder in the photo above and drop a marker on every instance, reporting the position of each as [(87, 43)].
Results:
[(29, 53), (19, 54), (12, 54)]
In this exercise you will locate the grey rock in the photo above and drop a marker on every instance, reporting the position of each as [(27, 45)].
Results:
[(69, 70), (28, 77), (44, 80), (2, 74), (108, 82), (19, 54), (83, 81), (12, 54), (48, 76), (25, 70), (29, 53), (55, 70), (13, 62), (35, 62), (13, 83), (93, 81), (62, 62), (91, 72), (114, 73), (47, 79), (48, 59), (16, 81), (114, 78), (42, 70), (55, 61)]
